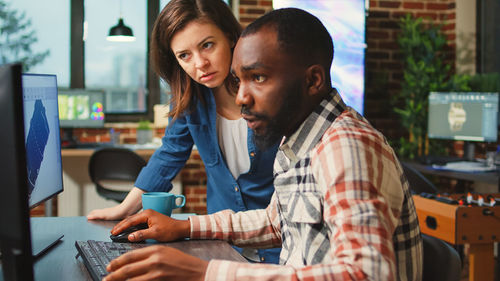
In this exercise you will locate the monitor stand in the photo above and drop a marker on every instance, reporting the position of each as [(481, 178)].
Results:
[(42, 239), (469, 151)]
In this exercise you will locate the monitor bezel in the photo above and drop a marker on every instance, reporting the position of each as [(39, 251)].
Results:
[(15, 240)]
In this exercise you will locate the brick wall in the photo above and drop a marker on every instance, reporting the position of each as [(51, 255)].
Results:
[(252, 9)]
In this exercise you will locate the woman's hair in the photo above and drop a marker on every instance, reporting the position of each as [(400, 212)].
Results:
[(173, 18)]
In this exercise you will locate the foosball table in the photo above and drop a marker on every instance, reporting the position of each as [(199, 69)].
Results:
[(459, 219)]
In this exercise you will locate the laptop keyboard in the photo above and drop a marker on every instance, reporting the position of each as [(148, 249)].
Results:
[(96, 255)]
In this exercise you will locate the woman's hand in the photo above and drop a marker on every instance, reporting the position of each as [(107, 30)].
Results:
[(160, 227), (156, 263), (112, 213), (130, 205)]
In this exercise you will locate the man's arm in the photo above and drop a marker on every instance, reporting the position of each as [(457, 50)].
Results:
[(254, 228)]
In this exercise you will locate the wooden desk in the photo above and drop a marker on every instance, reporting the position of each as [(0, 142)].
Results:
[(59, 263), (79, 196), (77, 152)]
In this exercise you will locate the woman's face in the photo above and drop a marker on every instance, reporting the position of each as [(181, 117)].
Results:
[(204, 52)]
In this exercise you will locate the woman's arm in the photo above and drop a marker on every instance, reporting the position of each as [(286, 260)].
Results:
[(129, 206)]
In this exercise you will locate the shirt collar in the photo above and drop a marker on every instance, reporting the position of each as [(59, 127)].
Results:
[(313, 127)]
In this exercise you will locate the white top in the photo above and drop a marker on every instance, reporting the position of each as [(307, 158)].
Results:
[(232, 136)]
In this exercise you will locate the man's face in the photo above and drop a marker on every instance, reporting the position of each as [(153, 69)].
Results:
[(271, 86)]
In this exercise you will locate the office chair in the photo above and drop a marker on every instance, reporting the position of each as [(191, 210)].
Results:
[(418, 182), (441, 261), (114, 164)]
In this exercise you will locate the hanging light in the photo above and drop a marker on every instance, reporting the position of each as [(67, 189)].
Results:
[(120, 32)]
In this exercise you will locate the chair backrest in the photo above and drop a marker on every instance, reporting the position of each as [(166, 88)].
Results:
[(114, 164), (441, 261), (418, 182)]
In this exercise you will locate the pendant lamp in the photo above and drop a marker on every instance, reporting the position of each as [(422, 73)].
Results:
[(120, 32)]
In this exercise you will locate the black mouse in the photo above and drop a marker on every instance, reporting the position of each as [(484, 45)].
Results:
[(122, 237)]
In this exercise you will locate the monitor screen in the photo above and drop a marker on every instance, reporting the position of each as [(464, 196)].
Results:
[(41, 126), (345, 21), (463, 116), (81, 108)]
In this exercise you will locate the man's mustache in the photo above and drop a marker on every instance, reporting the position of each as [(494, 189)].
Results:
[(248, 112)]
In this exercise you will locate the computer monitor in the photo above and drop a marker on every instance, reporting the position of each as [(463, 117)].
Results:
[(470, 117), (42, 138), (30, 165), (81, 108)]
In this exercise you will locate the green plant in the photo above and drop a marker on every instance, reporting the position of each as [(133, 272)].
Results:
[(144, 125), (485, 82), (17, 38), (424, 71)]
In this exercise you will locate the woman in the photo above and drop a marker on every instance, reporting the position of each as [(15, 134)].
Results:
[(191, 49)]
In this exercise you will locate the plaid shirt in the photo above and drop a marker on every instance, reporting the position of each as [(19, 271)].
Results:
[(342, 208)]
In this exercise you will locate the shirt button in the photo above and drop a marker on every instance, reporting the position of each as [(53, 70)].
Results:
[(236, 188), (252, 154), (262, 259)]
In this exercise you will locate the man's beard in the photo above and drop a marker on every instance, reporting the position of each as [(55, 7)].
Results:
[(276, 127)]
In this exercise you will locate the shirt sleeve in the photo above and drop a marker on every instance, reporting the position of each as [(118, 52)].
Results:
[(167, 160), (254, 228)]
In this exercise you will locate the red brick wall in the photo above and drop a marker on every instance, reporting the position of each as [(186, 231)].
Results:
[(252, 9)]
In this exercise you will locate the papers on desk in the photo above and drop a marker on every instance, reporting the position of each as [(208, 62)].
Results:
[(465, 167)]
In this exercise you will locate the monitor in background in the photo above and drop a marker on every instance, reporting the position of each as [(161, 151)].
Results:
[(30, 165), (79, 108), (470, 117)]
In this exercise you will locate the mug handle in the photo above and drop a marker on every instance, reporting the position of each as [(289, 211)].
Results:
[(182, 203)]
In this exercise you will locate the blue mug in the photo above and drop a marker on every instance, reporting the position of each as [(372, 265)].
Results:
[(162, 202)]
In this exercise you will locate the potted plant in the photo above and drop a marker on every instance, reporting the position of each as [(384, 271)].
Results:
[(425, 71), (144, 132)]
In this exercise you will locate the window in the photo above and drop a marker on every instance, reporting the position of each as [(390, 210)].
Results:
[(52, 32), (119, 68)]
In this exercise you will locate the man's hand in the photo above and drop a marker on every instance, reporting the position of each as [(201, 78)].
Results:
[(156, 263), (160, 227)]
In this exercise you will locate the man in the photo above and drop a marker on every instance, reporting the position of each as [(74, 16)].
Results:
[(342, 209)]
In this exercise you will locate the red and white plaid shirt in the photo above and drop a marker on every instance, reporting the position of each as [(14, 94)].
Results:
[(342, 209)]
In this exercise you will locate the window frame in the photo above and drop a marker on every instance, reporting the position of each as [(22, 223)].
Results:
[(77, 61)]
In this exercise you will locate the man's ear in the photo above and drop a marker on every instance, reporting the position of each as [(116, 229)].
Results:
[(315, 78)]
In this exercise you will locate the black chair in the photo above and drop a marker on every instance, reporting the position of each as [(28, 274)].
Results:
[(441, 261), (114, 164), (418, 182)]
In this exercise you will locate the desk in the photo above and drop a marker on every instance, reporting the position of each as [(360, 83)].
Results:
[(59, 263), (491, 178), (79, 196)]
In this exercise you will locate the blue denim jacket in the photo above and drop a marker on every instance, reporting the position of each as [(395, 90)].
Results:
[(252, 190)]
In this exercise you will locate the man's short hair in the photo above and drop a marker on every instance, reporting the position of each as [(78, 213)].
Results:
[(300, 35)]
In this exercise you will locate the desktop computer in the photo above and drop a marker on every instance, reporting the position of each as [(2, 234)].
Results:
[(30, 166), (470, 117), (463, 116), (79, 108)]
